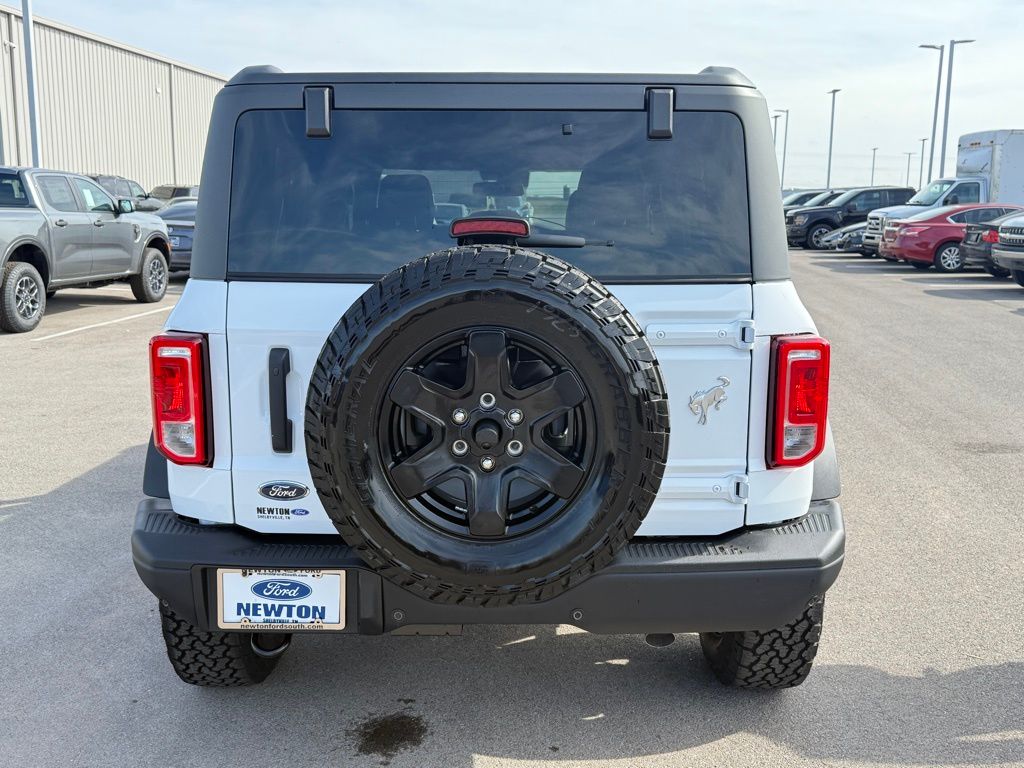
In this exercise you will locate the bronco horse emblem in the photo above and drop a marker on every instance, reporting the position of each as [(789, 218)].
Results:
[(702, 402)]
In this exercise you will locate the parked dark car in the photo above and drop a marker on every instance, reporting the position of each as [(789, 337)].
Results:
[(122, 188), (823, 197), (797, 199), (181, 225), (847, 239), (169, 193), (976, 247), (807, 226)]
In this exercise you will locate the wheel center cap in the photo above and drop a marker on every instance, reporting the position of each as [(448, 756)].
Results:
[(487, 434)]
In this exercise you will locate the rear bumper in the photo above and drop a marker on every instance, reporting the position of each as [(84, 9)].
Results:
[(753, 579), (180, 259), (976, 255)]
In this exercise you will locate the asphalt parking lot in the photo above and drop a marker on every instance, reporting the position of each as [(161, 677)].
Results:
[(921, 661)]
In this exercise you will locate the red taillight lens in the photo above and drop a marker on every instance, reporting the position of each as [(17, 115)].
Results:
[(911, 231), (990, 236), (799, 402), (177, 375), (496, 226)]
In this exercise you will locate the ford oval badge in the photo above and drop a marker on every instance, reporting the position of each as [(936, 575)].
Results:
[(281, 589), (283, 490)]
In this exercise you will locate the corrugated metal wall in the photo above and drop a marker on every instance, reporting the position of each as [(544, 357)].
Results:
[(103, 107)]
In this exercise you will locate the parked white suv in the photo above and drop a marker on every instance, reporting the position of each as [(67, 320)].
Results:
[(611, 414)]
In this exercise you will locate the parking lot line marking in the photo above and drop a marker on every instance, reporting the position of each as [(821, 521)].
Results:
[(106, 322)]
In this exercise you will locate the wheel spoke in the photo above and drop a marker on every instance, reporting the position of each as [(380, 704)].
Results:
[(487, 367), (546, 468), (423, 397), (488, 503), (429, 466), (552, 397)]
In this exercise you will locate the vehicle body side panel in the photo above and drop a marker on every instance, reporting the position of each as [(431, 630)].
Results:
[(205, 492), (775, 494)]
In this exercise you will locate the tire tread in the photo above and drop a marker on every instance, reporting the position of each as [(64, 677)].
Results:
[(777, 658)]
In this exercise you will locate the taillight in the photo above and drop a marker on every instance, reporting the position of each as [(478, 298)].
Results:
[(799, 400), (911, 231), (990, 236), (177, 375)]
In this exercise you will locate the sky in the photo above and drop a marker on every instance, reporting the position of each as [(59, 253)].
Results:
[(795, 52)]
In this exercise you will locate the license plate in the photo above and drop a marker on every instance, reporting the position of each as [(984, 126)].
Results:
[(175, 242), (280, 599)]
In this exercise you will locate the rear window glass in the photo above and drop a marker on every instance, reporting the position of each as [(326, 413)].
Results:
[(383, 188), (12, 191)]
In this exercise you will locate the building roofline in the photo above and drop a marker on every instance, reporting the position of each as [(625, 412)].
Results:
[(42, 21)]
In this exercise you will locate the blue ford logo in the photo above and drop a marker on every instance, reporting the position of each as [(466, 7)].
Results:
[(300, 512), (281, 589), (283, 490)]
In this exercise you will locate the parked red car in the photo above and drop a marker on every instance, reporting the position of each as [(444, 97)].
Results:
[(933, 236)]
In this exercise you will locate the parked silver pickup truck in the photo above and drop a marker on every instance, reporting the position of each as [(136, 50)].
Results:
[(59, 230)]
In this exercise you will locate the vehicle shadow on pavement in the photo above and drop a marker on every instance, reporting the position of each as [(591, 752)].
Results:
[(586, 697), (68, 300), (534, 694), (852, 262)]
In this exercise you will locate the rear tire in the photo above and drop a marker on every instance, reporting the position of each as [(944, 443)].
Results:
[(219, 659), (1018, 277), (22, 297), (815, 235), (997, 272), (948, 258), (150, 284), (778, 658)]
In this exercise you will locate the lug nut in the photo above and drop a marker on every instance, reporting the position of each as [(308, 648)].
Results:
[(487, 463), (460, 447), (459, 415), (514, 448), (487, 401), (515, 416)]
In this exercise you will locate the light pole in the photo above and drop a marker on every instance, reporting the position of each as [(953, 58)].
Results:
[(920, 171), (909, 155), (30, 80), (935, 113), (785, 143), (949, 87), (775, 130), (831, 128), (873, 151)]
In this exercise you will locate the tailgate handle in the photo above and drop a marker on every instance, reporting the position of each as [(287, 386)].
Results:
[(280, 424)]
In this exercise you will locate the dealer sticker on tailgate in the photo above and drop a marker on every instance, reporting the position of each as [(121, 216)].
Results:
[(280, 599)]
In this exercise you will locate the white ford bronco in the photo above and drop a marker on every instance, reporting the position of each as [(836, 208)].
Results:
[(591, 398)]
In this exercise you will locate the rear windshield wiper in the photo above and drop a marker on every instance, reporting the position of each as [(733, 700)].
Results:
[(561, 241)]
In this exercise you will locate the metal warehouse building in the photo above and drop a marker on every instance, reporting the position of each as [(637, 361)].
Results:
[(103, 107)]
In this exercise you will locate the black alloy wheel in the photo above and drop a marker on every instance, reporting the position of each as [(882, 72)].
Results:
[(489, 433)]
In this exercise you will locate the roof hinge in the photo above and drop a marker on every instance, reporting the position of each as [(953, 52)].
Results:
[(660, 104), (318, 111)]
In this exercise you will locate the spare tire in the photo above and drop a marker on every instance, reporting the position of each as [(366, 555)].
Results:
[(487, 425)]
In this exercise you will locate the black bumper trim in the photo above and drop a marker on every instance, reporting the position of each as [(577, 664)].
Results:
[(758, 578)]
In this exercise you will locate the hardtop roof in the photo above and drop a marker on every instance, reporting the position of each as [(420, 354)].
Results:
[(710, 76)]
